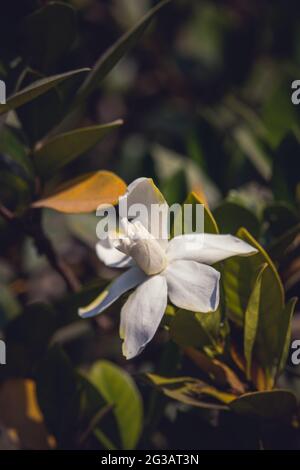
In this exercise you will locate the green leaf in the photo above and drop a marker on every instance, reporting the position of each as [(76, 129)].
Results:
[(231, 216), (57, 151), (47, 34), (57, 100), (14, 152), (116, 52), (239, 277), (175, 188), (274, 404), (189, 329), (36, 89), (279, 114), (251, 320), (117, 387), (210, 225), (192, 391), (96, 416)]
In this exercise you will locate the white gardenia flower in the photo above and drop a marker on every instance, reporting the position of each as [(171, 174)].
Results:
[(159, 269)]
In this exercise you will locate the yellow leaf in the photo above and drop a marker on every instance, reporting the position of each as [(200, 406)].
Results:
[(85, 194)]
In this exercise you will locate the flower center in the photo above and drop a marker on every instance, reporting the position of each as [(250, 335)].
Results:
[(138, 243)]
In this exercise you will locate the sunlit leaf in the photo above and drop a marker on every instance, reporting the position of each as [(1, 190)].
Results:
[(192, 391), (85, 193), (216, 370)]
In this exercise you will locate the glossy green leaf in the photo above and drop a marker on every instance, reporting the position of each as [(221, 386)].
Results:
[(61, 149), (117, 387), (251, 320), (274, 404), (116, 52), (36, 89)]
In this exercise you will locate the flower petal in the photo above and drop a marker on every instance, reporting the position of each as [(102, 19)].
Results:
[(207, 248), (112, 257), (142, 314), (193, 286), (126, 281), (143, 191)]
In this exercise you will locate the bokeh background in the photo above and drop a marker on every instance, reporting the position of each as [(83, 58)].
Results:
[(205, 95)]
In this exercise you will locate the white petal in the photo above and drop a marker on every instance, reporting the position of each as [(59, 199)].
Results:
[(207, 248), (126, 281), (143, 191), (112, 257), (142, 247), (142, 314), (193, 286)]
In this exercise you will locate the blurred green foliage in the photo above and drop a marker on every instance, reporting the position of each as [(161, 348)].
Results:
[(205, 96)]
